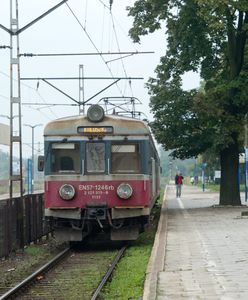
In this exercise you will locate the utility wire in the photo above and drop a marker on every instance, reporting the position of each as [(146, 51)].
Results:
[(93, 44), (43, 113), (30, 146), (85, 15), (4, 97), (118, 46), (103, 25), (128, 53), (41, 97), (117, 42), (50, 104), (116, 37), (119, 25), (103, 4)]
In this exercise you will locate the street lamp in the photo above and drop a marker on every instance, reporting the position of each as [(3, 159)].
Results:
[(32, 176), (8, 117)]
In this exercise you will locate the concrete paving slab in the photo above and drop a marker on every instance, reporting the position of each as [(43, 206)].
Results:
[(205, 249)]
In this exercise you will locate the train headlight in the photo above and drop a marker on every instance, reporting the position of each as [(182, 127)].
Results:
[(67, 192), (124, 191), (95, 113)]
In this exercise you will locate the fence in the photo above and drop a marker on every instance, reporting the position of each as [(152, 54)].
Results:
[(21, 222)]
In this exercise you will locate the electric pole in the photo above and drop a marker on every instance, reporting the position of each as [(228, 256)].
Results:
[(15, 102), (15, 173), (81, 90)]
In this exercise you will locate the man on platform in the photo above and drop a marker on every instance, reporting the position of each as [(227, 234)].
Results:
[(178, 183)]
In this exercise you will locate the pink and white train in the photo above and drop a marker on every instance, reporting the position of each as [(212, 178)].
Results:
[(101, 175)]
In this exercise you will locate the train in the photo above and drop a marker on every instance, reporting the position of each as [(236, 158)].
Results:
[(101, 174)]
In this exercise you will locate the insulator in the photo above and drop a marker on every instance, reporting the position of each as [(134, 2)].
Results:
[(110, 3), (28, 54)]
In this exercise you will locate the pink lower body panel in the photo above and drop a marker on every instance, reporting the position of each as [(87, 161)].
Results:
[(98, 193)]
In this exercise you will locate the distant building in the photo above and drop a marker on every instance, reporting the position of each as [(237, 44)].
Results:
[(4, 134)]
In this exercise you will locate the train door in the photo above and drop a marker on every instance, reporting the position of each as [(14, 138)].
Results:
[(153, 177)]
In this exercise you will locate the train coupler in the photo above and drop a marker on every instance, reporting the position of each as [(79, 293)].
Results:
[(96, 212)]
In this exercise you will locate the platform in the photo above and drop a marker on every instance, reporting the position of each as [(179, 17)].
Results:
[(200, 249)]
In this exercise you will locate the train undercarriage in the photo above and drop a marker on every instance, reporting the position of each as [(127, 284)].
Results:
[(121, 224)]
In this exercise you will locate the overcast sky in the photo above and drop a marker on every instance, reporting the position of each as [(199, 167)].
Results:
[(95, 29)]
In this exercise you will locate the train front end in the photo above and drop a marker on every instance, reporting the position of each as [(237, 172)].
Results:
[(101, 175)]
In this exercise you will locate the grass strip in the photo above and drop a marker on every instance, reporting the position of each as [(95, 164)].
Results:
[(129, 276)]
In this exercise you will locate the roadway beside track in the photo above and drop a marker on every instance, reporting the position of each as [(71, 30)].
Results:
[(200, 249)]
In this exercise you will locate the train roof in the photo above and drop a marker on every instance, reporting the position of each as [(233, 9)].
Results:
[(121, 125)]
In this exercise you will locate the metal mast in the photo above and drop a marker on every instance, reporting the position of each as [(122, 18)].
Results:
[(15, 102), (15, 170), (81, 90), (15, 92)]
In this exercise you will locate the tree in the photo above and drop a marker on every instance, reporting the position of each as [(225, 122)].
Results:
[(188, 167), (209, 37)]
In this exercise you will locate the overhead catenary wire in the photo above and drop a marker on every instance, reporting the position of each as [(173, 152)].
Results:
[(98, 53), (44, 101), (105, 6), (85, 14), (118, 46), (37, 92), (72, 78), (127, 53), (72, 12), (36, 149), (77, 78), (4, 97), (65, 94), (103, 26), (110, 35), (84, 27), (117, 43), (49, 104), (116, 37), (43, 113), (121, 28)]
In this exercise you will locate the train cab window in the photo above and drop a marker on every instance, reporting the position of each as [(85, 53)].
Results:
[(125, 158), (95, 157), (65, 158), (66, 163)]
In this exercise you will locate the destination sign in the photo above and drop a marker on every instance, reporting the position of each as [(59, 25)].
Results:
[(95, 130)]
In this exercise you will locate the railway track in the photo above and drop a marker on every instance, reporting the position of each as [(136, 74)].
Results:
[(72, 275), (108, 273), (33, 277)]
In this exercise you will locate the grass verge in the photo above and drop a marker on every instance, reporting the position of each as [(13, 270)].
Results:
[(129, 276)]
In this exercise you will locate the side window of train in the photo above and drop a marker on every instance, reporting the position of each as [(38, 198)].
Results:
[(65, 158), (95, 157), (125, 158)]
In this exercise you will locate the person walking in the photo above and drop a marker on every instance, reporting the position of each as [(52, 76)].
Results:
[(178, 183)]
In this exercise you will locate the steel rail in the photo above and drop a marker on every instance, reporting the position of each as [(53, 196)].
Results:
[(109, 272), (33, 276)]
